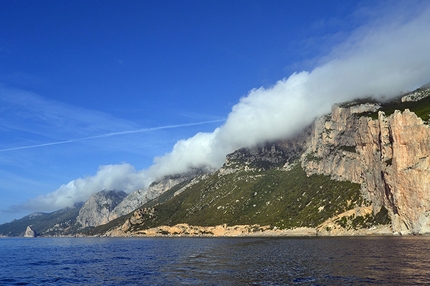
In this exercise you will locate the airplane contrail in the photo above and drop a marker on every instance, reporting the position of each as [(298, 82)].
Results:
[(111, 135)]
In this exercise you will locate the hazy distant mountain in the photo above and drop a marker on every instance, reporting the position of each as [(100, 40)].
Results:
[(61, 222)]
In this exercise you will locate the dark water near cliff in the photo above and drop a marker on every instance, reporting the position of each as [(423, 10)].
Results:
[(215, 261)]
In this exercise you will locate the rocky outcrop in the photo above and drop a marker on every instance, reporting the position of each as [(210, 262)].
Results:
[(29, 232), (357, 221), (416, 95), (387, 154), (142, 196), (130, 203), (270, 155), (98, 207)]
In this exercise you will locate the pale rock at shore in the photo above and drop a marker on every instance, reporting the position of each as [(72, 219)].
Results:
[(29, 232), (184, 229)]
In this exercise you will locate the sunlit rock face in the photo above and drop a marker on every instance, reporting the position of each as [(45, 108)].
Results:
[(97, 208), (332, 148), (389, 156), (395, 151)]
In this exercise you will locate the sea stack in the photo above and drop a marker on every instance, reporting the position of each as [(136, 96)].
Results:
[(29, 232)]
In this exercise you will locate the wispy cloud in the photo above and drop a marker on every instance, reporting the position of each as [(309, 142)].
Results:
[(111, 134), (28, 112)]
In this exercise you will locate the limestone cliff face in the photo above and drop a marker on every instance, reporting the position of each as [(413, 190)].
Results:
[(331, 149), (395, 151), (389, 156), (97, 208), (342, 144)]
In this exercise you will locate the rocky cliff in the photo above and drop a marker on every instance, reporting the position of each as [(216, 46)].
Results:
[(394, 152), (98, 207), (270, 155), (388, 154), (331, 148), (57, 223), (142, 196)]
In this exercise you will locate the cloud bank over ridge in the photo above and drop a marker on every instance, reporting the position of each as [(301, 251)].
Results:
[(382, 58), (374, 61)]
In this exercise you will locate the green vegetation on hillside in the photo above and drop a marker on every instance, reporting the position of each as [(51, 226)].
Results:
[(280, 198)]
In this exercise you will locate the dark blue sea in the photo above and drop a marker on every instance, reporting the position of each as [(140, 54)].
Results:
[(215, 261)]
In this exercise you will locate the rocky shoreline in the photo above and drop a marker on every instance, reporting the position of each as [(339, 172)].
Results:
[(185, 230)]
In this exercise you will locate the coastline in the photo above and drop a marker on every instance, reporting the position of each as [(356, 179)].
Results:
[(185, 230)]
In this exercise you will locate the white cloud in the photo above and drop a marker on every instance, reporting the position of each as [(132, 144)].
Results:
[(201, 150), (109, 177)]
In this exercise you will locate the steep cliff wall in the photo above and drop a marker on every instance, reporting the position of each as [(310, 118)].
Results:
[(388, 156), (97, 208), (395, 152), (331, 149)]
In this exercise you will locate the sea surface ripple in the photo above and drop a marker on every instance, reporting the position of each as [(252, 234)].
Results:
[(215, 261)]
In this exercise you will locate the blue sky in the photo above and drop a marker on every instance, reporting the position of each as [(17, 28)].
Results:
[(115, 94)]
